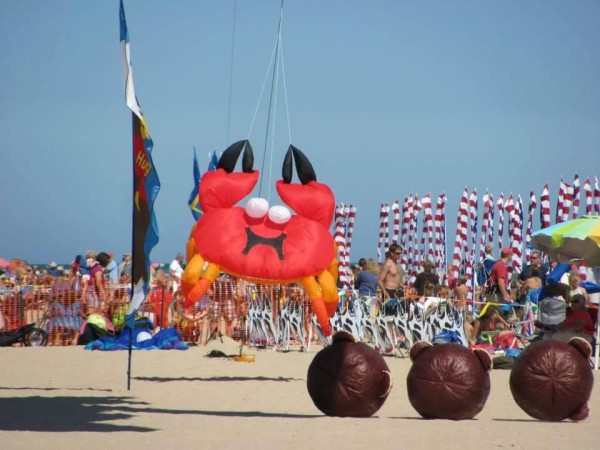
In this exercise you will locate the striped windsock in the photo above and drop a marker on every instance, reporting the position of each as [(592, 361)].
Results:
[(545, 207), (418, 250), (576, 191), (596, 197), (484, 225), (405, 227), (386, 227), (410, 246), (509, 207), (517, 235), (350, 212), (560, 202), (471, 259), (439, 219), (380, 251), (530, 211), (339, 238), (427, 226), (589, 200), (396, 227), (567, 201), (461, 231), (500, 205), (490, 229)]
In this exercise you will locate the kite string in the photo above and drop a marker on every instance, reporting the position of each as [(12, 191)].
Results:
[(231, 72), (272, 100), (276, 57)]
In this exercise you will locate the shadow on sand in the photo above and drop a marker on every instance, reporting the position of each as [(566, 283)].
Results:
[(63, 414), (169, 379)]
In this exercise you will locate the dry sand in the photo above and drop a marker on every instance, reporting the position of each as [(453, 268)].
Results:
[(69, 398)]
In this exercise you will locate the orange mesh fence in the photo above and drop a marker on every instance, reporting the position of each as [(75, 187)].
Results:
[(61, 306)]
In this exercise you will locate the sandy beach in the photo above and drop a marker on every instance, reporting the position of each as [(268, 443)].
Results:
[(66, 397)]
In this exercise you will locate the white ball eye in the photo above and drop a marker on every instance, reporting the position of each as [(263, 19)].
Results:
[(279, 214), (257, 207)]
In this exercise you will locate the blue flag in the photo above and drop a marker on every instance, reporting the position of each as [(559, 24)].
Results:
[(194, 200), (212, 165), (145, 187)]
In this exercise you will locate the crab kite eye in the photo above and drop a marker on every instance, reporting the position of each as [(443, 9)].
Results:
[(257, 207), (279, 214)]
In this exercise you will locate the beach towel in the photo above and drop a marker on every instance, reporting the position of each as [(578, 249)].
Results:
[(165, 339)]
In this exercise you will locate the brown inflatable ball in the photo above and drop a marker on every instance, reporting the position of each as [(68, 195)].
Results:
[(348, 378), (448, 381), (553, 380)]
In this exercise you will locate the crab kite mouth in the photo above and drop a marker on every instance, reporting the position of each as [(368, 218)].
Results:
[(253, 239)]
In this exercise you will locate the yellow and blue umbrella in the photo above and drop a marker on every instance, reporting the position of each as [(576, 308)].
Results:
[(577, 239)]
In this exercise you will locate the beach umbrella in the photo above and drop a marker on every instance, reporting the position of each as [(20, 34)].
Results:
[(577, 239), (4, 262)]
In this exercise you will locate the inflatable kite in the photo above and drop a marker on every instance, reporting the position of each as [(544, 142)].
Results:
[(263, 244), (448, 381), (348, 378), (553, 380)]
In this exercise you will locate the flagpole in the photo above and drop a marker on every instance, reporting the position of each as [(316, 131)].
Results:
[(133, 259)]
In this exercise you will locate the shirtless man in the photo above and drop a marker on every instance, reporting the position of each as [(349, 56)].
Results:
[(390, 277)]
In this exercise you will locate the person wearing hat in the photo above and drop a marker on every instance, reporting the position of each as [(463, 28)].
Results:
[(53, 269), (499, 276)]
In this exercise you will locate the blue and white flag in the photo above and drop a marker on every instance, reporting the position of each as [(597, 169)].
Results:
[(145, 187), (194, 200)]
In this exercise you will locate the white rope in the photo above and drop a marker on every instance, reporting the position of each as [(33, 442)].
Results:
[(263, 88), (287, 110), (276, 83)]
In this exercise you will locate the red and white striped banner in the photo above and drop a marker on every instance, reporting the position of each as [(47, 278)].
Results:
[(410, 246), (380, 245), (461, 231), (560, 202), (545, 207), (530, 211), (517, 235), (427, 226), (350, 212), (567, 201), (500, 206), (596, 197), (576, 190), (440, 231), (471, 255), (589, 197), (418, 250), (484, 225), (396, 223), (339, 238), (490, 229)]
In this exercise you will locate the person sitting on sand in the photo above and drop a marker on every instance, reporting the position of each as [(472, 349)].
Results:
[(489, 320)]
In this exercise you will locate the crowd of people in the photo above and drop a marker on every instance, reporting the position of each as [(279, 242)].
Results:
[(493, 300)]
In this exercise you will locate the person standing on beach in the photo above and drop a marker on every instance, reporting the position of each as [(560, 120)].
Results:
[(176, 271), (124, 267), (427, 276), (391, 276), (499, 290)]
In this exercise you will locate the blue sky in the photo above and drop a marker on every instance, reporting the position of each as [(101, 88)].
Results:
[(384, 97)]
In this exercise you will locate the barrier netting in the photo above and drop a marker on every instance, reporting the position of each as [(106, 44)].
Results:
[(61, 306)]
